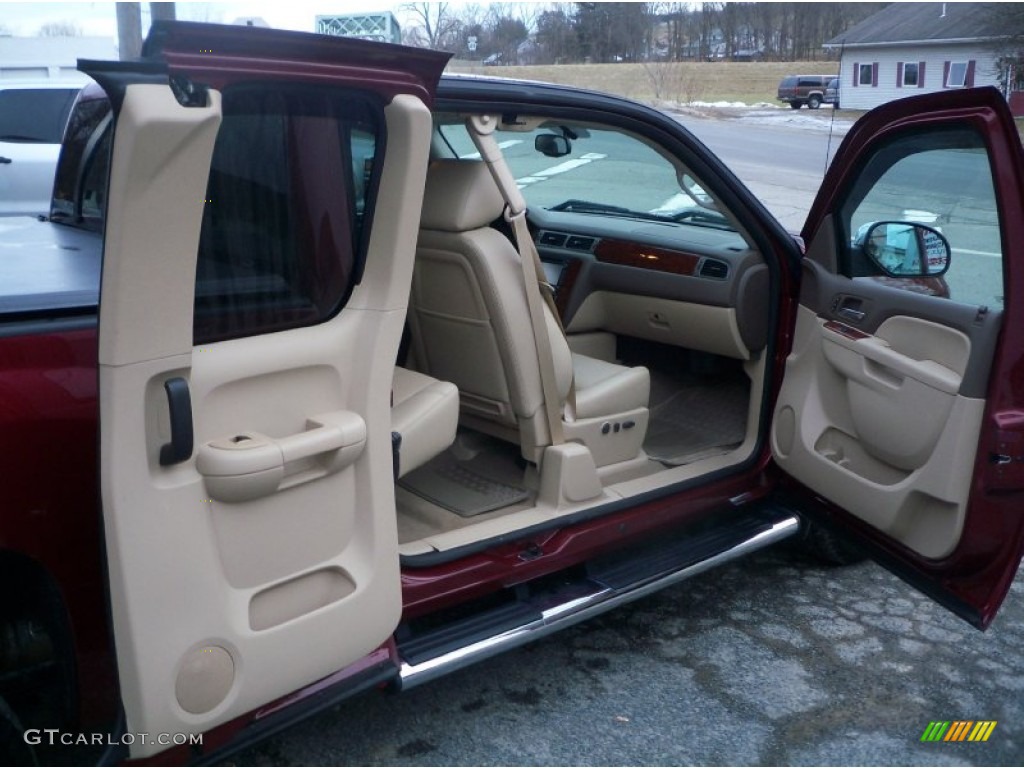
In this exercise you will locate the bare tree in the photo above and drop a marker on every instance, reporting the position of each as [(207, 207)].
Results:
[(556, 34), (1006, 22), (62, 28), (435, 25)]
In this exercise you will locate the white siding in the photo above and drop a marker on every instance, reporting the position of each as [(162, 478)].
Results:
[(51, 57), (888, 59)]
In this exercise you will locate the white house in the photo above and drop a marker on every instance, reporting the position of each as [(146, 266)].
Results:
[(911, 48)]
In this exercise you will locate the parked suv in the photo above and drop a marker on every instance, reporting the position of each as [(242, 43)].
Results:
[(798, 90)]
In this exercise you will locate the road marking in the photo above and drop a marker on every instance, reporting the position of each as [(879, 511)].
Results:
[(555, 170), (969, 252), (501, 145)]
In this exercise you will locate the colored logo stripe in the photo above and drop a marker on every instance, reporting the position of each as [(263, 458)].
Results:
[(958, 730), (982, 730)]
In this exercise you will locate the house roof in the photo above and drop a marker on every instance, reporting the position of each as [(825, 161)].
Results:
[(922, 23)]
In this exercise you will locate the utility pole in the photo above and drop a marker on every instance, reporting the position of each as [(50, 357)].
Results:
[(129, 25), (129, 30), (162, 11)]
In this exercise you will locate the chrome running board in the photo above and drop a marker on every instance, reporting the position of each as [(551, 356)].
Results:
[(558, 611)]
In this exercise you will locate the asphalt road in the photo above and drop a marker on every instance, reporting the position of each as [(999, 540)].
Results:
[(771, 661), (774, 660)]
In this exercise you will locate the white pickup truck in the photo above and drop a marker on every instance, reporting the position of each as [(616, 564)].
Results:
[(32, 119)]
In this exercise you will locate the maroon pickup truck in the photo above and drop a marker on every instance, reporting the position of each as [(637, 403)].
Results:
[(287, 411)]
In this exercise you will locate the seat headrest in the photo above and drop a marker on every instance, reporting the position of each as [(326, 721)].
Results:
[(460, 195)]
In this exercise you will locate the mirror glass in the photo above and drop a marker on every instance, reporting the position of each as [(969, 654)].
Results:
[(902, 249)]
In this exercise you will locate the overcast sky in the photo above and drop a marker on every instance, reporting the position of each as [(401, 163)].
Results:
[(25, 19)]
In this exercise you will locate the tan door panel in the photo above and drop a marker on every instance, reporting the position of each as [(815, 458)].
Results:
[(878, 425), (236, 579)]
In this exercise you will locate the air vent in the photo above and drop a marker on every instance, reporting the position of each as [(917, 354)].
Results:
[(555, 239), (580, 243), (716, 270)]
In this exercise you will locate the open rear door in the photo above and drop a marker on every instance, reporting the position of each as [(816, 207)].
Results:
[(903, 398), (262, 216)]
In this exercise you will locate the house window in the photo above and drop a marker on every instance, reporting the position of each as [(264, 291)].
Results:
[(957, 76), (910, 74), (864, 76)]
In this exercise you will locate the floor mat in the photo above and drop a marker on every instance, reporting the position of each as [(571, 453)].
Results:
[(464, 487), (700, 420)]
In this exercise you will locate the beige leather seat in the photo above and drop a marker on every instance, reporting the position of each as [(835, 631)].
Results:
[(470, 325)]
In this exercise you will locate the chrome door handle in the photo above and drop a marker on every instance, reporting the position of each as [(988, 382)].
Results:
[(852, 314)]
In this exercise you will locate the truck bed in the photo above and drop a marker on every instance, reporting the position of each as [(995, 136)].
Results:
[(47, 267)]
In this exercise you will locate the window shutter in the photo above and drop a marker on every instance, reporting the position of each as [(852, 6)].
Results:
[(920, 74), (874, 75), (945, 74), (899, 75), (856, 74), (969, 78)]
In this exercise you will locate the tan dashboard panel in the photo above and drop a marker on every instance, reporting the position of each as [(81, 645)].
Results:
[(681, 324)]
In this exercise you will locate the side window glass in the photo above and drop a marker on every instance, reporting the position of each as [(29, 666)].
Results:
[(288, 199), (942, 179)]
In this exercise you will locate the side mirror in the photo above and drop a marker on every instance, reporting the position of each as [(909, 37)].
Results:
[(902, 249), (552, 145)]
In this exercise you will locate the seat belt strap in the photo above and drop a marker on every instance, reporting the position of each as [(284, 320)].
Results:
[(481, 130), (542, 341)]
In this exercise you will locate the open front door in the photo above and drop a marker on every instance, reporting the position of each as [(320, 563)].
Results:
[(261, 227), (903, 396)]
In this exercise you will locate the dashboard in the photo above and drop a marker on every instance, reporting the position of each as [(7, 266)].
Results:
[(687, 285)]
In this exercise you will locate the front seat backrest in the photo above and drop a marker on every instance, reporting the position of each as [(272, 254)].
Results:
[(469, 317)]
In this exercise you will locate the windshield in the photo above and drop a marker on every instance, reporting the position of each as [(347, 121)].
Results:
[(596, 171)]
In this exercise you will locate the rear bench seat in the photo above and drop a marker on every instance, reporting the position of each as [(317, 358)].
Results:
[(424, 417)]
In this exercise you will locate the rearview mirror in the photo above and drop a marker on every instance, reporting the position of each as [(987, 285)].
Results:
[(902, 249), (552, 145)]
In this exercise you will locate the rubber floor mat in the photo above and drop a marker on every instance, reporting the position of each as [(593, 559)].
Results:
[(461, 487), (699, 421)]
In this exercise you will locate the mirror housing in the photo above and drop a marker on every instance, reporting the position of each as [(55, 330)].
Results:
[(695, 191), (905, 249), (552, 145)]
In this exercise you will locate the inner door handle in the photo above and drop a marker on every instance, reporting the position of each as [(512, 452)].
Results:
[(179, 401)]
